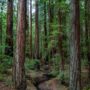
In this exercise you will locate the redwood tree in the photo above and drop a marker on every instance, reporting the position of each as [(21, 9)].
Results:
[(30, 28), (45, 25), (61, 39), (9, 30), (51, 18), (51, 15), (36, 31), (75, 64), (19, 70), (0, 27), (87, 27)]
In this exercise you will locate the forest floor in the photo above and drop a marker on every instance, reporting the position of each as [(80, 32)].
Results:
[(3, 86), (39, 80)]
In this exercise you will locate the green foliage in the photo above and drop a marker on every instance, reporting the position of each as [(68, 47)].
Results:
[(84, 62), (87, 87), (56, 64), (54, 73), (1, 77), (8, 81), (56, 61), (31, 64), (61, 76), (6, 63)]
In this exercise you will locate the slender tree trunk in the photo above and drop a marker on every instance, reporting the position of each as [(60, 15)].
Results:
[(50, 14), (51, 17), (60, 40), (45, 25), (87, 27), (30, 28), (36, 31), (1, 29), (45, 33), (75, 64), (19, 70), (9, 30)]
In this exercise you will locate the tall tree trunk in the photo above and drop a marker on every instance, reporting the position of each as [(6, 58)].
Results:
[(60, 40), (36, 31), (19, 70), (45, 33), (1, 29), (87, 27), (51, 17), (75, 64), (9, 30), (30, 28), (45, 25)]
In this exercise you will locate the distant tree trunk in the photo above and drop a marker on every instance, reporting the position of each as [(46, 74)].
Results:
[(9, 30), (87, 27), (45, 25), (30, 28), (19, 70), (45, 58), (51, 17), (1, 28), (50, 14), (36, 31), (61, 39), (45, 32), (75, 64)]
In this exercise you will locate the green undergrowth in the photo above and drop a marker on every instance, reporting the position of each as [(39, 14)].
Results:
[(31, 64), (87, 87), (5, 63)]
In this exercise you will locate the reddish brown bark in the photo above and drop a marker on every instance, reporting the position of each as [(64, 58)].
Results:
[(36, 31), (9, 30), (19, 70), (75, 64)]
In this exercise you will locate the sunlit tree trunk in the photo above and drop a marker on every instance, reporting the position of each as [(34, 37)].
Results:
[(75, 64), (19, 70), (9, 30)]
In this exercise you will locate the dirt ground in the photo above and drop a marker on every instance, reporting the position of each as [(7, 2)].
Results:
[(4, 87), (49, 83)]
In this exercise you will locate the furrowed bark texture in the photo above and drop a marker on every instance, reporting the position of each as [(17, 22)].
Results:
[(75, 69), (19, 70)]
